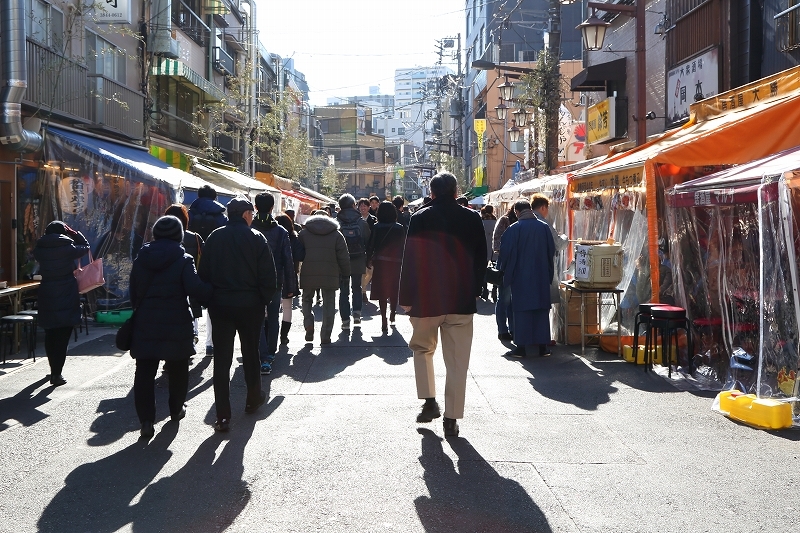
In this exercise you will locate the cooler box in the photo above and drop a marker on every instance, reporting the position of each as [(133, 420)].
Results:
[(598, 266), (763, 413), (627, 354)]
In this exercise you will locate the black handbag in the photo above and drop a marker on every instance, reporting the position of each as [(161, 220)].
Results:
[(493, 276), (124, 337)]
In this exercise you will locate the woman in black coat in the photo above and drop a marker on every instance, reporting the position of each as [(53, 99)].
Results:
[(385, 253), (193, 244), (162, 278), (58, 303)]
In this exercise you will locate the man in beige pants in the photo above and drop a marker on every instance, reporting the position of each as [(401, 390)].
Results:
[(443, 268)]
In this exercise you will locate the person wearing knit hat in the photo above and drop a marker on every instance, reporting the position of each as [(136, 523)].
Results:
[(162, 277), (238, 262), (58, 302), (168, 227)]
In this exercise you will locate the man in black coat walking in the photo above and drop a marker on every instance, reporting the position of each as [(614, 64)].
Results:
[(237, 261), (443, 268)]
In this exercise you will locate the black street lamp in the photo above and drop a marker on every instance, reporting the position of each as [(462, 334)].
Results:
[(506, 90), (513, 132), (502, 111), (594, 31)]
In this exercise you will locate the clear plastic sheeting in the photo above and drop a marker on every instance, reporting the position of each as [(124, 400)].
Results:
[(736, 242), (112, 203), (619, 214)]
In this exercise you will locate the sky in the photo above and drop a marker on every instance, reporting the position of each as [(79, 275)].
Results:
[(345, 46)]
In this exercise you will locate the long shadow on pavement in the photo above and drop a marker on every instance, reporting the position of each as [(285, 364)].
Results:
[(23, 406), (566, 378), (208, 492), (97, 496), (118, 415), (473, 498)]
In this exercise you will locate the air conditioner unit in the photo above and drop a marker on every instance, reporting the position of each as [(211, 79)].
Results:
[(165, 44)]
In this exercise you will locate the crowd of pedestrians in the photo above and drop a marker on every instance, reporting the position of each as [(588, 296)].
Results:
[(242, 267)]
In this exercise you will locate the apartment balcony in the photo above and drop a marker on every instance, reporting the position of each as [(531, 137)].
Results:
[(56, 84), (223, 63), (189, 21), (179, 128), (116, 107)]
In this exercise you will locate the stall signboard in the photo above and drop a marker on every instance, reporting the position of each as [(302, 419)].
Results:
[(620, 178), (601, 120), (693, 80), (773, 87)]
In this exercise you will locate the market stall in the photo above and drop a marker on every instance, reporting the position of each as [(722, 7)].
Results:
[(622, 196), (735, 235)]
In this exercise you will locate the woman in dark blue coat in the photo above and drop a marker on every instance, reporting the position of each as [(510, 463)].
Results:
[(385, 253), (59, 303), (162, 278)]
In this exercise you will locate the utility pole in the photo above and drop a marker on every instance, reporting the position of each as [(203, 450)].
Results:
[(553, 101)]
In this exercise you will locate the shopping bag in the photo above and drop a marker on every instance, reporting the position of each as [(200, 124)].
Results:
[(91, 276)]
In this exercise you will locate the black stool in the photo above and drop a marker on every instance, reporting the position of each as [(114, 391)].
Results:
[(35, 333), (642, 318), (667, 320), (8, 324)]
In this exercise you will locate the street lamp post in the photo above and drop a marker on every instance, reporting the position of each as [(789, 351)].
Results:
[(594, 29)]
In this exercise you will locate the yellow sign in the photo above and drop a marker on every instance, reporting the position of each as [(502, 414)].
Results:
[(769, 88), (621, 178), (600, 120), (479, 176), (479, 125)]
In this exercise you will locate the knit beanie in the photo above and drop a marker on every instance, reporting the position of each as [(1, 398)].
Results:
[(56, 226), (168, 227)]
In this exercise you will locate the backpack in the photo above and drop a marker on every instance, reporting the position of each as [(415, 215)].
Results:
[(353, 238), (203, 224)]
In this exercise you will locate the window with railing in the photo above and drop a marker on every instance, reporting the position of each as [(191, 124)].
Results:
[(188, 21), (787, 27), (105, 58), (45, 24), (223, 62)]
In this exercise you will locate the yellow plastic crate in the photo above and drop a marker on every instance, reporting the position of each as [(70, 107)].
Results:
[(763, 413), (627, 354)]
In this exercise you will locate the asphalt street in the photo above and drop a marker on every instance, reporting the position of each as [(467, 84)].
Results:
[(567, 443)]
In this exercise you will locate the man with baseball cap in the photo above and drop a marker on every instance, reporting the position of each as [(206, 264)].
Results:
[(238, 262)]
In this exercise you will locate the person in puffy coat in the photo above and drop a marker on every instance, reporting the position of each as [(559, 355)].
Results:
[(59, 303), (162, 278), (326, 261)]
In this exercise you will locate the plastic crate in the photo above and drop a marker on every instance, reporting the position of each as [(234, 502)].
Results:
[(113, 317)]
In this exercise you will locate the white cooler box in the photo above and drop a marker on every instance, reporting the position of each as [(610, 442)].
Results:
[(598, 266)]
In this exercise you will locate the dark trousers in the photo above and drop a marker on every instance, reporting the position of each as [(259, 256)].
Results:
[(349, 285), (227, 321), (268, 341), (56, 341), (144, 387)]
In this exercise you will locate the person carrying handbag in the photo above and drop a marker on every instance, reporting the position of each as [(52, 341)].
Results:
[(162, 277), (58, 302)]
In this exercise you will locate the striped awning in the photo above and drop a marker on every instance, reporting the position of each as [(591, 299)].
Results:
[(171, 157), (173, 67)]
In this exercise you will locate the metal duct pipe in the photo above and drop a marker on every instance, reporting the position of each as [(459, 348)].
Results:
[(15, 79)]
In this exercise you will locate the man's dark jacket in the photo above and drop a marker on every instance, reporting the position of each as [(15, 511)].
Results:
[(444, 260), (206, 206), (237, 261), (281, 248)]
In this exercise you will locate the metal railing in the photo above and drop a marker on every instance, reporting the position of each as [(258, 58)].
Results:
[(56, 84), (116, 106), (191, 24), (223, 63), (178, 127)]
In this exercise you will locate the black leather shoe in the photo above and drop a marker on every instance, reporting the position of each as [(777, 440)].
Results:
[(544, 350), (57, 380), (505, 337), (518, 352), (309, 335), (430, 410), (180, 415), (147, 431), (253, 407), (222, 425), (450, 427)]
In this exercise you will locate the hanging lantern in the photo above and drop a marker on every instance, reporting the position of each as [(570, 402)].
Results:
[(502, 111)]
